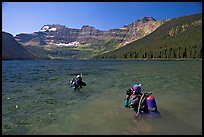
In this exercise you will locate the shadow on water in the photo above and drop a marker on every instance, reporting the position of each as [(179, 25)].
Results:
[(147, 116), (166, 123)]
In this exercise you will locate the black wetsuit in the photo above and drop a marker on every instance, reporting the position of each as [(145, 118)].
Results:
[(77, 83), (128, 93), (80, 83), (143, 107)]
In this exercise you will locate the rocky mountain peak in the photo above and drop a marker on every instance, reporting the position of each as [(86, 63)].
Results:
[(146, 19), (53, 27), (52, 34), (87, 27)]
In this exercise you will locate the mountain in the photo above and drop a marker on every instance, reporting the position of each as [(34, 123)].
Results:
[(55, 34), (70, 43), (177, 38), (11, 49), (146, 38), (140, 28)]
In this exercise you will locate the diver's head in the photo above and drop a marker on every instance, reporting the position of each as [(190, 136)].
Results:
[(78, 76), (136, 88)]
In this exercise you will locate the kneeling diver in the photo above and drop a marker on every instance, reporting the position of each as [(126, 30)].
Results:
[(78, 82)]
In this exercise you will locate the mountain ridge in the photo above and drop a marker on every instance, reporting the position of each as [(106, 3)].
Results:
[(179, 38), (145, 38), (62, 34), (12, 50)]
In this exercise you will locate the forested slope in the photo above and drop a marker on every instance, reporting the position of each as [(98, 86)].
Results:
[(178, 38)]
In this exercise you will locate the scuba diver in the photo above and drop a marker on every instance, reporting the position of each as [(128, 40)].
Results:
[(133, 91), (78, 82), (140, 102)]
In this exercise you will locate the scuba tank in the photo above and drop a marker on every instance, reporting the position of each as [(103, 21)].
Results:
[(151, 103)]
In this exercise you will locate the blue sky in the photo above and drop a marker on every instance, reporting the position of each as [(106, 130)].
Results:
[(27, 17)]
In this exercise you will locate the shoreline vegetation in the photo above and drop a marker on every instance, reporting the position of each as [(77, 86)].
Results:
[(139, 59)]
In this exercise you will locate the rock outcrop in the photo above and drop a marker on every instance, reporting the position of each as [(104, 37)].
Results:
[(55, 34)]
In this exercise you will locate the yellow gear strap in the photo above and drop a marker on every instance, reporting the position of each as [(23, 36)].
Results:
[(138, 110)]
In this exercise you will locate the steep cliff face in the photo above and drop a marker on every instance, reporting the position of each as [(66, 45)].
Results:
[(139, 29), (36, 38), (56, 34), (88, 34)]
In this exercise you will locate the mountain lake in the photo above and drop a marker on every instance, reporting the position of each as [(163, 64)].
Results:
[(37, 98)]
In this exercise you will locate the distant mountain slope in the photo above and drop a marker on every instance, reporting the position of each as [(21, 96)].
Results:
[(56, 34), (140, 28), (11, 49), (88, 41), (38, 52), (178, 38)]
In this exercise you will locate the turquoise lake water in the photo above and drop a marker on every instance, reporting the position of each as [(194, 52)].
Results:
[(37, 100)]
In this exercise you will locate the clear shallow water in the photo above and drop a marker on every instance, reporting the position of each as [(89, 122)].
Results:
[(46, 104)]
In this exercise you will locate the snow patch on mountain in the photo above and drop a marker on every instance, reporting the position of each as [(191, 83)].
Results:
[(52, 29), (47, 28), (75, 43)]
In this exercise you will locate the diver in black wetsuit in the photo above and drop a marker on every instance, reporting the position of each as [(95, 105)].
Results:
[(136, 97), (142, 103), (78, 82), (134, 94)]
